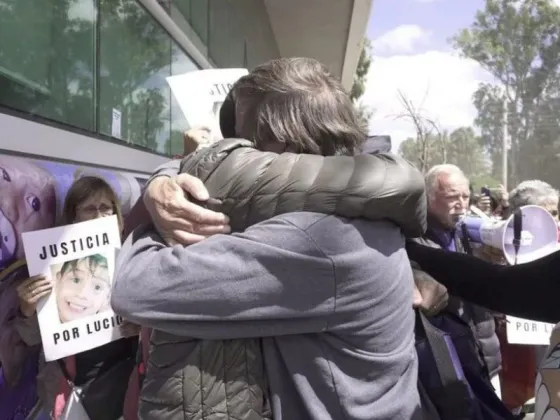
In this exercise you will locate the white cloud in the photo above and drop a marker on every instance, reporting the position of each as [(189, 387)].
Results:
[(441, 82), (401, 40)]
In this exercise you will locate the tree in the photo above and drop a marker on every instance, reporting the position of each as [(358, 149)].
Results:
[(433, 146), (428, 135), (518, 43), (462, 148), (466, 151), (360, 77), (360, 80)]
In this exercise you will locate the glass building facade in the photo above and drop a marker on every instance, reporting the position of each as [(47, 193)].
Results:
[(83, 82), (99, 66)]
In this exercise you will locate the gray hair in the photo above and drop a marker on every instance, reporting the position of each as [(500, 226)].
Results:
[(296, 102), (535, 192), (433, 175)]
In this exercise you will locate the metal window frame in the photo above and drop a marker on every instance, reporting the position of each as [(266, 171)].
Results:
[(58, 141), (161, 16)]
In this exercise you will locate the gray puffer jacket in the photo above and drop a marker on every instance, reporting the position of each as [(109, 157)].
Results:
[(190, 379)]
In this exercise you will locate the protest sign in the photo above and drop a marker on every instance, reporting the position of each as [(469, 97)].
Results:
[(524, 331), (80, 260), (200, 95)]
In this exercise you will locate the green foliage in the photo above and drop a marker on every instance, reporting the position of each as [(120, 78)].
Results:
[(360, 80), (518, 43), (360, 77), (479, 181), (461, 147)]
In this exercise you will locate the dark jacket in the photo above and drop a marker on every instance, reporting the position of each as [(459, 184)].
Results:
[(226, 379), (527, 290), (377, 144), (480, 319), (251, 186)]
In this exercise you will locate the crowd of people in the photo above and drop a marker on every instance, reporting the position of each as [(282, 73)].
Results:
[(290, 272)]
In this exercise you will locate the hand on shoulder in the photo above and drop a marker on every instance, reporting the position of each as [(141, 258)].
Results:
[(429, 296), (178, 219)]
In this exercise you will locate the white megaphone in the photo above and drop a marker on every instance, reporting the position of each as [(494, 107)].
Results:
[(537, 237)]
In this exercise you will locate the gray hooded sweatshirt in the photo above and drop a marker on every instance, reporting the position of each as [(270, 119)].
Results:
[(331, 298)]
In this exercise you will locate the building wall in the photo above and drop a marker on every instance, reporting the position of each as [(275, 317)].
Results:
[(253, 41), (98, 68), (83, 92), (28, 187), (21, 136), (229, 33)]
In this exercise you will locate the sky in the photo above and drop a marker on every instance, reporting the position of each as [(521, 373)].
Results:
[(412, 54)]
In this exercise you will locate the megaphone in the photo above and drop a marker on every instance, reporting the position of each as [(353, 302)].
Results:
[(537, 234)]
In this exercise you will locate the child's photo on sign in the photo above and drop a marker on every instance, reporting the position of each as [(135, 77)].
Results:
[(80, 260), (82, 287)]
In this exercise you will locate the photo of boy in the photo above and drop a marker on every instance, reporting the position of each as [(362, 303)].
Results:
[(82, 287)]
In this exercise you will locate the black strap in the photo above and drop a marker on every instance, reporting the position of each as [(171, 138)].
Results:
[(465, 239), (517, 229), (457, 397)]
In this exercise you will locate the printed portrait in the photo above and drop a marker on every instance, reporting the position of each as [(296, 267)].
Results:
[(82, 287)]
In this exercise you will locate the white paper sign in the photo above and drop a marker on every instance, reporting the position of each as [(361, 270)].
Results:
[(116, 124), (80, 259), (200, 95), (525, 331)]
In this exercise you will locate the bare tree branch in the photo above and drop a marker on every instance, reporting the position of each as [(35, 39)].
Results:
[(441, 137), (424, 128)]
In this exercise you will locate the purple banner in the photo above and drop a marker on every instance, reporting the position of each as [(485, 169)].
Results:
[(32, 193)]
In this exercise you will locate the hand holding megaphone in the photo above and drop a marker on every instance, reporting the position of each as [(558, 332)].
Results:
[(537, 234)]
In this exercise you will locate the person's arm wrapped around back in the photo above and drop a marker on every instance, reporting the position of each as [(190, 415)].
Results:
[(525, 290), (238, 176)]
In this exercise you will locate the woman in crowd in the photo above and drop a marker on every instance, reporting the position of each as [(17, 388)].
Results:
[(104, 371)]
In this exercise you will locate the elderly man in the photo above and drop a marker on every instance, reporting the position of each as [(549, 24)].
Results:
[(535, 192), (448, 198)]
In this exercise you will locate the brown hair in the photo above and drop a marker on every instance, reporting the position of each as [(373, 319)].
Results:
[(298, 103), (93, 261), (81, 190)]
